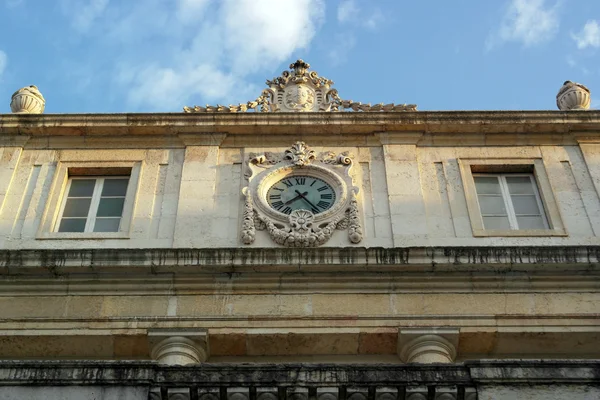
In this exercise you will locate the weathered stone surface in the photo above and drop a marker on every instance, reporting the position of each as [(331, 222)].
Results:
[(498, 380), (27, 100)]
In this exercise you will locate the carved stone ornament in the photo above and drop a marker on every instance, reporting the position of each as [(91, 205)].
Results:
[(300, 198), (27, 100), (573, 96), (299, 90)]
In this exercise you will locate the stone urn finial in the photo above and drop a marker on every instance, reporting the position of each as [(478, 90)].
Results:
[(573, 96), (27, 100)]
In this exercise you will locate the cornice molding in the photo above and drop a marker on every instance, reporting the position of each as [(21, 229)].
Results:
[(298, 270), (320, 123)]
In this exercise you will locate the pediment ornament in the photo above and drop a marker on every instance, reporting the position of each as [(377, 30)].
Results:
[(299, 90), (300, 198)]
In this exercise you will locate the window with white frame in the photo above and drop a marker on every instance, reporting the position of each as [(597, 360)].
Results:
[(93, 204), (510, 197), (509, 202)]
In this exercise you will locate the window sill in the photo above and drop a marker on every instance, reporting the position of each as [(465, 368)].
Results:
[(82, 235), (519, 232)]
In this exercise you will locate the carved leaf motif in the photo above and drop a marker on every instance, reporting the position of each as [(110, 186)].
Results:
[(299, 154)]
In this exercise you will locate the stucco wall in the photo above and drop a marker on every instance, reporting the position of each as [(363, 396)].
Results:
[(409, 195)]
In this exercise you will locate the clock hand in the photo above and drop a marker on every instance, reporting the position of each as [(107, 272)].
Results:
[(295, 198), (307, 200)]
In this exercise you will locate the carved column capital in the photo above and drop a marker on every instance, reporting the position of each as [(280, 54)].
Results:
[(178, 347), (427, 345)]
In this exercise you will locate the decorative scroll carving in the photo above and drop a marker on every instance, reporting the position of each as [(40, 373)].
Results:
[(344, 158), (299, 90), (248, 229), (355, 233)]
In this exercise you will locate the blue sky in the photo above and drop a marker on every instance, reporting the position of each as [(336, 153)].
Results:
[(98, 56)]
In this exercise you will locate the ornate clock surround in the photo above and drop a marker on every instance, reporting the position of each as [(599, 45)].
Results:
[(301, 228)]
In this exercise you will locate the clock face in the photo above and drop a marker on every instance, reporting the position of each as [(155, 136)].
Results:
[(304, 192)]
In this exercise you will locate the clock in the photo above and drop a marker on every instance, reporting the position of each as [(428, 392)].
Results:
[(301, 192), (300, 198)]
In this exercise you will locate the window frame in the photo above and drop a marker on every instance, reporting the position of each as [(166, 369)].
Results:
[(90, 219), (545, 196), (65, 171)]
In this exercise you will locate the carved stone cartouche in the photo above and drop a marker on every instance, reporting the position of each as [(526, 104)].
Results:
[(299, 90)]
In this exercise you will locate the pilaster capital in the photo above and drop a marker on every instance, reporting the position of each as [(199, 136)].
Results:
[(178, 346), (427, 345)]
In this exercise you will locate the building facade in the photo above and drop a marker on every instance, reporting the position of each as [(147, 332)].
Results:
[(300, 246)]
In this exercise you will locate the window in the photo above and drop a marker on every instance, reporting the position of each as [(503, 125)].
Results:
[(510, 197), (91, 200), (509, 201), (93, 204)]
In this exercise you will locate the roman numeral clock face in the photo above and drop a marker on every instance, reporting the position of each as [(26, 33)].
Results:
[(300, 192)]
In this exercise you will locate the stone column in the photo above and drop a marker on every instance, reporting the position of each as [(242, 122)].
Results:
[(178, 347), (427, 345)]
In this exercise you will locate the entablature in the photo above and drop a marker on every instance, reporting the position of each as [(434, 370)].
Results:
[(430, 128)]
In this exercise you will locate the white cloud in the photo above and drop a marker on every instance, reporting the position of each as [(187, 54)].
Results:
[(191, 10), (342, 46), (83, 14), (275, 34), (3, 62), (349, 12), (589, 35), (527, 21), (210, 55)]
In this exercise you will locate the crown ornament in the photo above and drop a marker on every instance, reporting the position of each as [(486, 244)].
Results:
[(300, 90)]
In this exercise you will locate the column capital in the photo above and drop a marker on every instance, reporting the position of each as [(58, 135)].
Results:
[(427, 345), (178, 346)]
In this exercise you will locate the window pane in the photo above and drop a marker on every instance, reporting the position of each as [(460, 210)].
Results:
[(110, 207), (525, 205), (82, 187), (496, 223), (114, 187), (107, 225), (72, 225), (487, 185), (492, 205), (531, 222), (77, 208), (519, 185)]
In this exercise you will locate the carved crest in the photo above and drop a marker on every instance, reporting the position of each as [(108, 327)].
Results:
[(300, 227), (300, 90)]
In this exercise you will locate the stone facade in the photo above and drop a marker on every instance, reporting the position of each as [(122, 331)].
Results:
[(181, 283)]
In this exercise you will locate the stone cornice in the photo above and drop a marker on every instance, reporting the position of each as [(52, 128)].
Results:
[(422, 259), (291, 124), (147, 271)]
